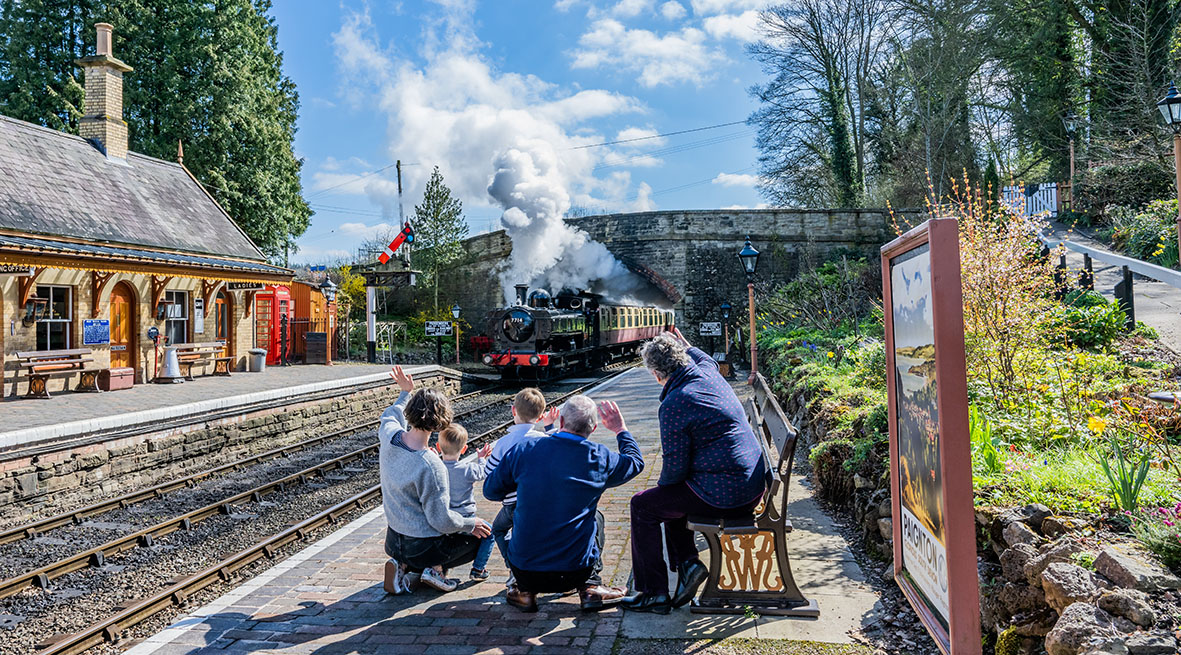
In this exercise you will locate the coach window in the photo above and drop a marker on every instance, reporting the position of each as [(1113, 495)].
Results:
[(176, 313), (53, 331)]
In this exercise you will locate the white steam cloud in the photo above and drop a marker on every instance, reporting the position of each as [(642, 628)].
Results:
[(547, 251)]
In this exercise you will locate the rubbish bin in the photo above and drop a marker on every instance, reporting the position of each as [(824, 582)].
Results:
[(258, 360)]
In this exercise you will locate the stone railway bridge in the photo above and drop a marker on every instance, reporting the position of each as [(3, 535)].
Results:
[(690, 256)]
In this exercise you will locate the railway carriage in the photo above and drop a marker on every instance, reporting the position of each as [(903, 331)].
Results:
[(541, 337)]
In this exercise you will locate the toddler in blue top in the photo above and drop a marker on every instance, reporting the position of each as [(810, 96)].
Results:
[(461, 476)]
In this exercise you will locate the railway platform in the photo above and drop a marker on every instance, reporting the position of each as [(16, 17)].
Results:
[(67, 414), (328, 598)]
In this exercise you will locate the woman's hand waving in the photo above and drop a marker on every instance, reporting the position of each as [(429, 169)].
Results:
[(405, 382)]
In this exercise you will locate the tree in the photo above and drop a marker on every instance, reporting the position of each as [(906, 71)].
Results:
[(208, 74), (439, 228)]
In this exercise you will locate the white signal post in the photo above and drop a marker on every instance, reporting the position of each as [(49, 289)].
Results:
[(371, 323)]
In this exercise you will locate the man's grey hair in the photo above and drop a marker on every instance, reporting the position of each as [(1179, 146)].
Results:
[(664, 355), (579, 416)]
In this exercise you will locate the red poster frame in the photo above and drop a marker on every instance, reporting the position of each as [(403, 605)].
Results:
[(963, 634)]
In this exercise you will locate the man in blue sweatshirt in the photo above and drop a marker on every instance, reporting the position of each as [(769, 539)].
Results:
[(558, 481)]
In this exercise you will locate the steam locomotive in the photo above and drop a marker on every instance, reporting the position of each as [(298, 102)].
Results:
[(543, 337)]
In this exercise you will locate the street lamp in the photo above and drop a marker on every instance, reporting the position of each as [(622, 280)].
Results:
[(1070, 121), (455, 310), (725, 307), (1170, 109), (328, 288), (750, 262)]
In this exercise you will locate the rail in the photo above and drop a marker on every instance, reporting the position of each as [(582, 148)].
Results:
[(1140, 267)]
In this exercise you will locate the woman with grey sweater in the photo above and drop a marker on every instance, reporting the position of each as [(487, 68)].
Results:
[(424, 537)]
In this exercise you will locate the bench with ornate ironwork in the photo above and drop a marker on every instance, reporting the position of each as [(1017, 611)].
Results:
[(193, 354), (749, 567), (44, 364)]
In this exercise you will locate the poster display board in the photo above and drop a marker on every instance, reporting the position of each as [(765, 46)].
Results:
[(930, 449), (198, 316), (438, 328), (96, 331)]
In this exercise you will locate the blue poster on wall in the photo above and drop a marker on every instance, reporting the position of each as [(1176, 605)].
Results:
[(96, 331)]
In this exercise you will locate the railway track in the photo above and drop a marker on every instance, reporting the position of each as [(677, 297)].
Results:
[(131, 614)]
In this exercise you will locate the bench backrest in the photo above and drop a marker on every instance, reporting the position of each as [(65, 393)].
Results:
[(36, 355), (778, 438)]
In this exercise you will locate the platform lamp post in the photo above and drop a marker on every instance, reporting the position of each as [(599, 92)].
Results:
[(725, 307), (1070, 122), (1170, 109), (328, 289), (750, 262), (455, 310)]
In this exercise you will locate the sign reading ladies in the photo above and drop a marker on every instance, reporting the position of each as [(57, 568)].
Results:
[(930, 450)]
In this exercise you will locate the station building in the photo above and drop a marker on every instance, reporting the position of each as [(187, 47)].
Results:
[(99, 244)]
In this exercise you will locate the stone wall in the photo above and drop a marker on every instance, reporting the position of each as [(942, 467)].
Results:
[(51, 482), (694, 251)]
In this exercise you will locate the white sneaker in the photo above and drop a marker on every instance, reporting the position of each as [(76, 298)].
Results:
[(395, 582), (433, 578)]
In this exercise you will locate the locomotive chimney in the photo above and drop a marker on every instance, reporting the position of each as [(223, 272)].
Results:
[(522, 291)]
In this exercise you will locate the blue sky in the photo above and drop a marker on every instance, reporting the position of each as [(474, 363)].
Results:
[(455, 83)]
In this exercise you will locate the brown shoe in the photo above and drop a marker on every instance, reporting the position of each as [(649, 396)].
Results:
[(526, 601), (596, 597)]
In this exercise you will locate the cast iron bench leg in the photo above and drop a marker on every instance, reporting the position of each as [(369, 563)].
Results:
[(88, 381), (37, 386)]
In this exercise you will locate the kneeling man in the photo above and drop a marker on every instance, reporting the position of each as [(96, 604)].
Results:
[(558, 481)]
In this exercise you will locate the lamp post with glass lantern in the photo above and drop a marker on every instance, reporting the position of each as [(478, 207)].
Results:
[(455, 310), (1170, 109), (1070, 121), (328, 290), (750, 262)]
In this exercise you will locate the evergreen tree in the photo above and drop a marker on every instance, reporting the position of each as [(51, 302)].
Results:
[(208, 74), (39, 41), (438, 230)]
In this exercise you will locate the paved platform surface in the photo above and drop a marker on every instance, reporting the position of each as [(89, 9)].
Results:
[(28, 419), (328, 599), (1157, 304)]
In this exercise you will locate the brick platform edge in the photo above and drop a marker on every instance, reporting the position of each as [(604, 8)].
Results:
[(33, 486)]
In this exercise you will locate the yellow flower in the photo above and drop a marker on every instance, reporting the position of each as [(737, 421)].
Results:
[(1096, 425), (830, 354)]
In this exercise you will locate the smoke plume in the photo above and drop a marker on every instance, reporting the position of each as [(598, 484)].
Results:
[(547, 252)]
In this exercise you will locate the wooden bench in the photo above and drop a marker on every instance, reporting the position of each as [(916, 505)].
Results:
[(192, 354), (44, 364), (749, 567)]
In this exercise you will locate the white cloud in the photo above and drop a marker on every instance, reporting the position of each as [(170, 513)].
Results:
[(634, 134), (743, 27), (733, 180), (672, 10), (710, 7), (658, 59), (458, 112), (632, 8), (363, 231), (565, 5)]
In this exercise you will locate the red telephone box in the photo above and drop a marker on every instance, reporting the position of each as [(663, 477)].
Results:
[(270, 305)]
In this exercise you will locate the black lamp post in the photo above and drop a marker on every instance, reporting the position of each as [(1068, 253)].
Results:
[(1070, 121), (455, 311), (1170, 109), (750, 262), (725, 307), (328, 288)]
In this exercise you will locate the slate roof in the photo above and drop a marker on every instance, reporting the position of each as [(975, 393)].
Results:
[(153, 256), (58, 184)]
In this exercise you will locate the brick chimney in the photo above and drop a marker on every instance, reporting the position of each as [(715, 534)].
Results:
[(102, 119)]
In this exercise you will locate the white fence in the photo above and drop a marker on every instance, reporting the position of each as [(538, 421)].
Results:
[(1034, 199)]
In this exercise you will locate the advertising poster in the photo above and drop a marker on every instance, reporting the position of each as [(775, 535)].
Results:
[(920, 481)]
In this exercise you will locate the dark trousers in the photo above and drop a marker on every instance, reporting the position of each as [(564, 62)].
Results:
[(552, 582), (671, 507), (503, 523), (418, 553)]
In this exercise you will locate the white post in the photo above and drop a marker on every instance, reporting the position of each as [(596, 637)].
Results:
[(371, 323)]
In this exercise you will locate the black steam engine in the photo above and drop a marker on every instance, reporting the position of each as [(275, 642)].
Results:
[(541, 337)]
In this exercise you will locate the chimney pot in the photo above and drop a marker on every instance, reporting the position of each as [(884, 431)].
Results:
[(104, 39)]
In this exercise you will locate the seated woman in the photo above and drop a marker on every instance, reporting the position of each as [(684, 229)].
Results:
[(422, 531), (712, 467)]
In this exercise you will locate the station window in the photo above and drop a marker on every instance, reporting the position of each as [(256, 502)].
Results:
[(53, 331), (176, 324)]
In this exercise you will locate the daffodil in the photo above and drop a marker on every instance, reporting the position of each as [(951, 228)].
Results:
[(1096, 425), (831, 355)]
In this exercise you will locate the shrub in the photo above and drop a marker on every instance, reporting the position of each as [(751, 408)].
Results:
[(1091, 326), (869, 368), (1149, 234), (835, 294), (1160, 531), (1134, 184)]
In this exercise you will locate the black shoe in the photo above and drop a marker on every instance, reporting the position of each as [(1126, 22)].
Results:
[(642, 602), (690, 576)]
